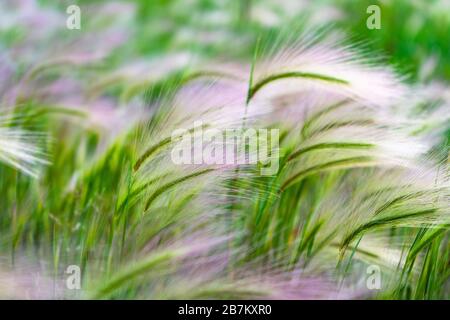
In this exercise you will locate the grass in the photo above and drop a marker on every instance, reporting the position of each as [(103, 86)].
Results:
[(87, 177)]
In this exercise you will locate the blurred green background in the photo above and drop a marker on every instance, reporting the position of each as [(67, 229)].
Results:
[(414, 34)]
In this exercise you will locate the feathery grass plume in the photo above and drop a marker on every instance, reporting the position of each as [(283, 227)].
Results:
[(323, 59), (194, 107), (21, 148)]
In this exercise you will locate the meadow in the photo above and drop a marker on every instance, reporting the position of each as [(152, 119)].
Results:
[(93, 205)]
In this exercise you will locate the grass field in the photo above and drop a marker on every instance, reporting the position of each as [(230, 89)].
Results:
[(357, 122)]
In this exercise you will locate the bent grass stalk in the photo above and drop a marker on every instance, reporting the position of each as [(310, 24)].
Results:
[(286, 75), (155, 261), (173, 184), (352, 162)]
